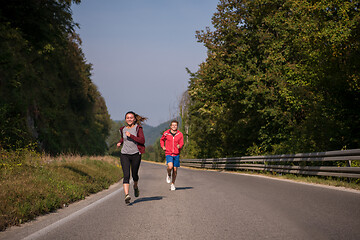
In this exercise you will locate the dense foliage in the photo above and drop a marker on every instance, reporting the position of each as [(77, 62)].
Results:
[(281, 76), (46, 92)]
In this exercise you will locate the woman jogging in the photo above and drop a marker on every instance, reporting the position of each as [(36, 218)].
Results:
[(172, 142), (133, 141)]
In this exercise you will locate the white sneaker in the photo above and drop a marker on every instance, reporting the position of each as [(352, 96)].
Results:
[(127, 199), (172, 187), (168, 178)]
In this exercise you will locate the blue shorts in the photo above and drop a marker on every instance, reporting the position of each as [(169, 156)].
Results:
[(174, 159)]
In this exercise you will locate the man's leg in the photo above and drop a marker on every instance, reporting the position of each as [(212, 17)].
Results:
[(174, 174), (176, 164), (176, 160), (169, 168)]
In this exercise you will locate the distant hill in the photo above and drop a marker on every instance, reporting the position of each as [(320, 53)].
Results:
[(153, 133)]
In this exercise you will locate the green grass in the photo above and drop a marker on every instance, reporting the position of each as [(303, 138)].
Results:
[(34, 184)]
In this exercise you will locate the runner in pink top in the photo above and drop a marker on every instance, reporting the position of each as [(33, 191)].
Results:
[(172, 142)]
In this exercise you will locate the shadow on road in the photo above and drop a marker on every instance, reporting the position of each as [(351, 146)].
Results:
[(183, 188), (146, 199)]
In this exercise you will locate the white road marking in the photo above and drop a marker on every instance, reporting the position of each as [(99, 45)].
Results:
[(53, 226)]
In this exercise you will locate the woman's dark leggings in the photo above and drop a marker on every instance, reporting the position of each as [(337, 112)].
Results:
[(130, 161)]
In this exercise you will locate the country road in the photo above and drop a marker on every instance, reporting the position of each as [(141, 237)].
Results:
[(206, 205)]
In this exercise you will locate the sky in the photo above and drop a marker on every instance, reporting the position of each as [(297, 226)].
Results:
[(140, 50)]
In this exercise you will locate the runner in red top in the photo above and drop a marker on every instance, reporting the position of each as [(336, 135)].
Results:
[(172, 142)]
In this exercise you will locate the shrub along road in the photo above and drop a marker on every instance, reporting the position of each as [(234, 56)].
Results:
[(206, 205)]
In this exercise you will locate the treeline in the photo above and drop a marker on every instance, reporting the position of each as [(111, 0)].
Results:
[(47, 95), (281, 76)]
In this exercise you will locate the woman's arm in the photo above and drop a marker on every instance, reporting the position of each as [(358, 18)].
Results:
[(121, 139), (140, 138)]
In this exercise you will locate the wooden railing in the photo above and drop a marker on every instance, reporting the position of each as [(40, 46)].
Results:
[(294, 163)]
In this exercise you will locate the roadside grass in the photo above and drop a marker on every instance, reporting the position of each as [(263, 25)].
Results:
[(33, 184)]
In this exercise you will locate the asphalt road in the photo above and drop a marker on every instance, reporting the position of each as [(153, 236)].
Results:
[(206, 205)]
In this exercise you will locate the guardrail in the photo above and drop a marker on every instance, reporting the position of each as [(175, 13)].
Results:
[(295, 163)]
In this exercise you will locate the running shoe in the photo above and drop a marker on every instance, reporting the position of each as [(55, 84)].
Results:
[(172, 187), (127, 199), (136, 192), (168, 178)]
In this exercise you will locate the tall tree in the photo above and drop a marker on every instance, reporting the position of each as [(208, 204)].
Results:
[(46, 90), (281, 76)]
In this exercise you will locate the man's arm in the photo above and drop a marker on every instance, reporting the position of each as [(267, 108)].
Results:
[(181, 142), (162, 141)]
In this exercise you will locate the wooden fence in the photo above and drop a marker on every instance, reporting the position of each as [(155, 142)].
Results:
[(294, 163)]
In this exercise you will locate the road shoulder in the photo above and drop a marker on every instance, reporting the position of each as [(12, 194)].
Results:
[(44, 221)]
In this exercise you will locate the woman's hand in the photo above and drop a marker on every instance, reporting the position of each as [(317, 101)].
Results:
[(164, 148), (118, 144), (127, 134)]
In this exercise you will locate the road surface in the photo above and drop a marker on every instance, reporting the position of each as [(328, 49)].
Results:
[(206, 205)]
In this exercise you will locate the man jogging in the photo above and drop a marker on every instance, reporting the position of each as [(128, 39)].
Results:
[(172, 142)]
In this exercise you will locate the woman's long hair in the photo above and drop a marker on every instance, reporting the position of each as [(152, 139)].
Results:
[(138, 119)]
